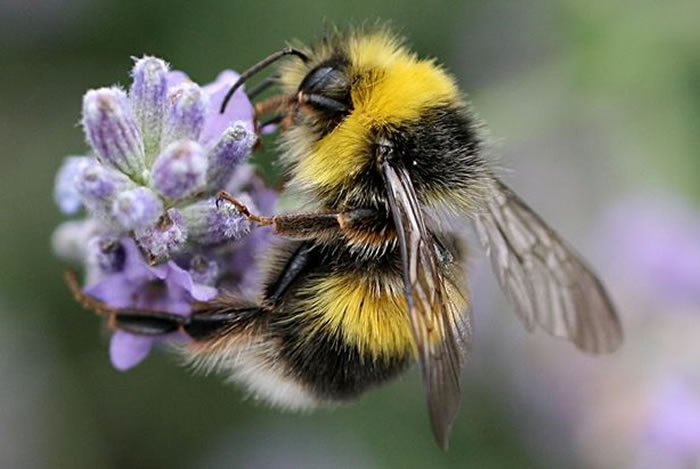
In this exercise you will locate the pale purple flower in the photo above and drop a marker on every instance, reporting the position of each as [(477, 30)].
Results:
[(137, 285)]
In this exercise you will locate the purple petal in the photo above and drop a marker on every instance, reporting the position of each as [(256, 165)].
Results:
[(136, 270), (114, 290), (176, 78), (181, 278), (244, 261), (203, 270), (239, 107), (245, 179), (265, 199), (128, 350)]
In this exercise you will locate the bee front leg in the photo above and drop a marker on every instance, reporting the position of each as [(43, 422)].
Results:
[(316, 225)]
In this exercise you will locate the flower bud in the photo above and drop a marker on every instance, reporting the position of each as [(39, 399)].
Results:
[(112, 131), (232, 148), (159, 242), (137, 208), (70, 239), (180, 170), (66, 194), (203, 270), (98, 186), (185, 114), (209, 224), (148, 95)]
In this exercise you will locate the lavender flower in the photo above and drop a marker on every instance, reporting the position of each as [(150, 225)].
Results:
[(153, 237)]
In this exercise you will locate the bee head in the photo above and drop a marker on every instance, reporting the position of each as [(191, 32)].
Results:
[(359, 98), (363, 98), (323, 98)]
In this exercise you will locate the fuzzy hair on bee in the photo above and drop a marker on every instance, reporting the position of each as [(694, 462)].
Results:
[(378, 143)]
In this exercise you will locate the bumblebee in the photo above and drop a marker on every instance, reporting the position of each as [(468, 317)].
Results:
[(385, 150)]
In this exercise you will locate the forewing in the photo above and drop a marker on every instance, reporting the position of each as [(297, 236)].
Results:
[(547, 281), (441, 332)]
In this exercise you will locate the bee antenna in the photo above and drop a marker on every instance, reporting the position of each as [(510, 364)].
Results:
[(264, 63)]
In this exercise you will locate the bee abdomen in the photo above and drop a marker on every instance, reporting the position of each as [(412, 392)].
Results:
[(333, 369)]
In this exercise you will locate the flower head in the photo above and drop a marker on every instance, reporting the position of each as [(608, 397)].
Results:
[(154, 238)]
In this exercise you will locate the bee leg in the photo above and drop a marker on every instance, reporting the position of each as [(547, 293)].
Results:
[(226, 197), (210, 321), (317, 225), (201, 325)]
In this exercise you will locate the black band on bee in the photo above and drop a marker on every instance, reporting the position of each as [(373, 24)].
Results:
[(263, 64)]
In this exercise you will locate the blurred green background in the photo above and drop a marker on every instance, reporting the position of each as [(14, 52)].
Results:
[(587, 102)]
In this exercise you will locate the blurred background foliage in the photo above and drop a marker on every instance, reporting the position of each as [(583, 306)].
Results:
[(588, 103)]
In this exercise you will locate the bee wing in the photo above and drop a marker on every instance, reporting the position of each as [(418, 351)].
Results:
[(440, 331), (549, 283)]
